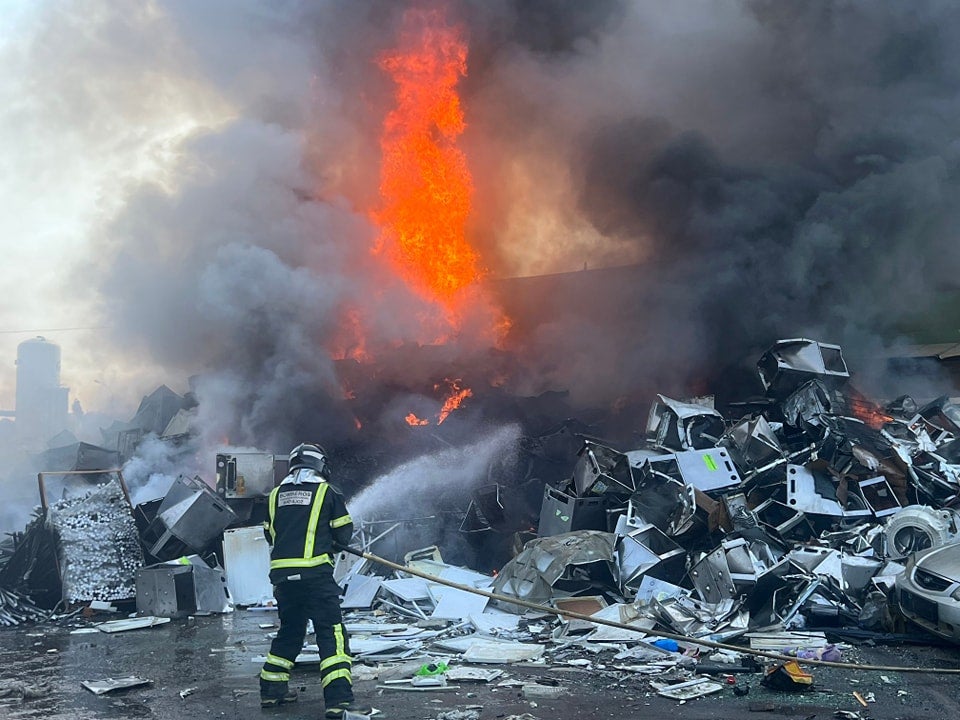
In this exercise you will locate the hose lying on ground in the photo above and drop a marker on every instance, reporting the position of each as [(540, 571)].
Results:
[(671, 636)]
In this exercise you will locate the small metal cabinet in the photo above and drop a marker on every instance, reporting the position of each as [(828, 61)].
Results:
[(176, 590), (562, 513)]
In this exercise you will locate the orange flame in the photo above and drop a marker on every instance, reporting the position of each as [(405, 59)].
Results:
[(873, 419), (425, 185), (454, 399), (866, 410)]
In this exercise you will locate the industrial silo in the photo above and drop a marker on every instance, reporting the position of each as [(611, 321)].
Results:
[(41, 410)]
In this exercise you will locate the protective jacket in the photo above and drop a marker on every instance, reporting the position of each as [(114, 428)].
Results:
[(306, 516)]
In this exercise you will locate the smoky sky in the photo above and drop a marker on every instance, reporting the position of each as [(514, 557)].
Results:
[(767, 169), (846, 222)]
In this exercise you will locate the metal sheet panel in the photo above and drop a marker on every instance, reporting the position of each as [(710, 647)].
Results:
[(246, 475), (246, 559), (708, 470)]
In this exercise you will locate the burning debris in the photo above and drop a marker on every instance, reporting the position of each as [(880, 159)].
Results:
[(794, 511)]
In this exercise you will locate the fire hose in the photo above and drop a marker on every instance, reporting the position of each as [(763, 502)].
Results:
[(623, 626)]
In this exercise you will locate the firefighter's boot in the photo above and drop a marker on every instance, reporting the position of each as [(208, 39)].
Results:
[(273, 693)]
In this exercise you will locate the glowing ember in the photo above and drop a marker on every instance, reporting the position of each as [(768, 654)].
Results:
[(454, 399), (415, 421), (866, 410), (874, 419), (425, 184)]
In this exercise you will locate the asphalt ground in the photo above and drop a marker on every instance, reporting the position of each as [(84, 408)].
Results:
[(209, 660)]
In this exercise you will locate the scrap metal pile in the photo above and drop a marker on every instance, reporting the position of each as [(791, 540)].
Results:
[(795, 510), (775, 527), (796, 513), (83, 547), (89, 546), (99, 547)]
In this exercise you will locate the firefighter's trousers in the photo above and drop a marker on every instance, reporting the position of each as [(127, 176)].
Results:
[(318, 599)]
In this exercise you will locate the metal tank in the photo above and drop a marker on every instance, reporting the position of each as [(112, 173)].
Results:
[(41, 403)]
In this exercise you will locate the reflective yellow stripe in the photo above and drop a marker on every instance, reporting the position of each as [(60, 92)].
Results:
[(300, 562), (338, 636), (341, 521), (279, 661), (274, 676), (273, 513), (314, 520), (335, 660), (337, 674)]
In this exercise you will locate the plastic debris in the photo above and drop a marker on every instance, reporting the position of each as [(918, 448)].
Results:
[(787, 676)]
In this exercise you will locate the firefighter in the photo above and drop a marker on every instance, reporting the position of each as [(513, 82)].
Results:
[(307, 520)]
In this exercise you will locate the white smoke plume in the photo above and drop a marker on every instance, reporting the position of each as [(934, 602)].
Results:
[(155, 467), (416, 487)]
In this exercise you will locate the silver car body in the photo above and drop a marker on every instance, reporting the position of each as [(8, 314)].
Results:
[(928, 591)]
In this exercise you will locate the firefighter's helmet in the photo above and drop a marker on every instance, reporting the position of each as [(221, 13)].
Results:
[(308, 455)]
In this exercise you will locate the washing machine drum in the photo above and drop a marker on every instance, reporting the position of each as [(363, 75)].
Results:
[(919, 527)]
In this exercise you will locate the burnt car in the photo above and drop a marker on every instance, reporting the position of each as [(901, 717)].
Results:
[(928, 590)]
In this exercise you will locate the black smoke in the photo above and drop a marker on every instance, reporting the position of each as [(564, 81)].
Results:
[(764, 170)]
